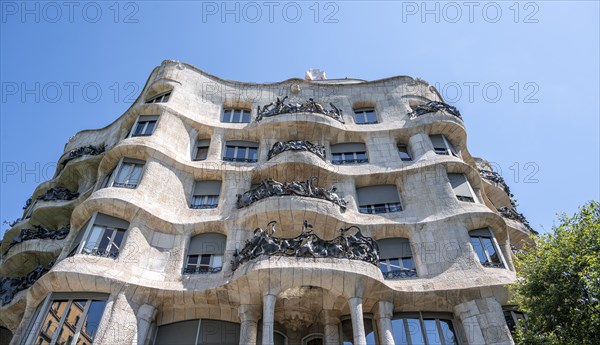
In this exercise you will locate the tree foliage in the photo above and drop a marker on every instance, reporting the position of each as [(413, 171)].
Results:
[(558, 285)]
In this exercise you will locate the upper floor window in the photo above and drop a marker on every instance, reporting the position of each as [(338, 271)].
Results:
[(66, 318), (205, 253), (201, 150), (462, 188), (162, 98), (442, 146), (128, 174), (404, 153), (233, 115), (241, 151), (144, 126), (365, 116), (486, 248), (423, 328), (396, 258), (206, 194), (349, 153), (102, 236), (379, 199)]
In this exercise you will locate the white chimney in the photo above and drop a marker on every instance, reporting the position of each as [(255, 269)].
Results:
[(315, 74)]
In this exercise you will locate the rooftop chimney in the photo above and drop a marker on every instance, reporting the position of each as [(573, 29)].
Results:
[(315, 74)]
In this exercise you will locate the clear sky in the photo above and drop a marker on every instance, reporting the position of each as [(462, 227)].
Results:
[(525, 75)]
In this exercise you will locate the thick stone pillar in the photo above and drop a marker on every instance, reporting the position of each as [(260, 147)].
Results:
[(483, 322), (268, 318), (145, 317), (249, 315), (385, 311), (331, 329), (358, 326)]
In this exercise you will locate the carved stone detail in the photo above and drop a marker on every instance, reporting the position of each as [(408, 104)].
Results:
[(39, 232), (308, 245), (279, 107), (270, 187), (9, 287), (296, 145), (433, 107)]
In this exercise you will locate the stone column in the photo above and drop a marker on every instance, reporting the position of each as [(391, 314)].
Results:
[(385, 311), (358, 326), (331, 330), (483, 322), (145, 317), (268, 318), (249, 315)]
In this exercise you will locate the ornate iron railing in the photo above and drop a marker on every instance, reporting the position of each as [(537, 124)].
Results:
[(279, 107), (296, 145), (496, 178), (400, 274), (201, 270), (54, 193), (433, 107), (39, 232), (308, 245), (9, 287), (270, 187), (511, 213), (89, 150)]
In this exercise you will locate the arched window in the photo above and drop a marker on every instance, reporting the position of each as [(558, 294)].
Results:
[(396, 258), (205, 254)]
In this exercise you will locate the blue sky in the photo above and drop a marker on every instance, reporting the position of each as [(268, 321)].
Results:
[(525, 75)]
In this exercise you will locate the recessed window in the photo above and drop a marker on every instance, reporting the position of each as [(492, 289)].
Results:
[(442, 146), (349, 153), (63, 318), (206, 194), (513, 318), (129, 173), (235, 115), (102, 236), (423, 328), (198, 332), (462, 188), (144, 126), (486, 248), (396, 258), (205, 254), (404, 153), (162, 98), (241, 151), (365, 116), (201, 150), (379, 199)]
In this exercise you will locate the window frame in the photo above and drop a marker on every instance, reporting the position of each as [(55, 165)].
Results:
[(161, 96), (36, 322), (475, 199), (115, 172), (346, 156), (232, 110), (137, 123), (407, 151), (363, 113), (210, 268), (387, 207), (78, 248), (490, 264), (236, 145), (422, 316), (449, 149), (201, 143)]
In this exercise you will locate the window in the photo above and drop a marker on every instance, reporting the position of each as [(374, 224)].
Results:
[(485, 247), (206, 194), (129, 173), (103, 236), (423, 329), (513, 318), (404, 153), (442, 146), (365, 116), (232, 115), (162, 98), (241, 151), (396, 259), (349, 153), (205, 254), (379, 199), (198, 332), (462, 188), (65, 319), (201, 150), (348, 335), (144, 126)]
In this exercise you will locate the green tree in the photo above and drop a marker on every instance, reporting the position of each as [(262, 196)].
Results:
[(558, 285)]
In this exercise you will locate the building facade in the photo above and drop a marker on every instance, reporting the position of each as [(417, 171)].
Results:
[(299, 212)]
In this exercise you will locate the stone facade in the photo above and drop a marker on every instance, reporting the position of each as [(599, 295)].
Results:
[(154, 271)]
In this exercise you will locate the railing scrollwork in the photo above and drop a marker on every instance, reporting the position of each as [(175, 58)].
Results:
[(280, 107), (296, 145), (9, 287), (434, 107)]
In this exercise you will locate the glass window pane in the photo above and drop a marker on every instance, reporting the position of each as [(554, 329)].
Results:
[(116, 245), (448, 332), (229, 152), (236, 116), (253, 154), (399, 332), (124, 172), (489, 246), (370, 117), (227, 116), (91, 323), (93, 239), (431, 331), (478, 249), (361, 156), (217, 261), (139, 127), (50, 323), (136, 173), (408, 263), (246, 117), (105, 241), (202, 153), (415, 332)]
